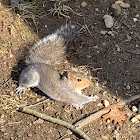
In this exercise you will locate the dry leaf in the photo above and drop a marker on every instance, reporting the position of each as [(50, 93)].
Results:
[(115, 114)]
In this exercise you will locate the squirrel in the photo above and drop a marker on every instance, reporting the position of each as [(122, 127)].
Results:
[(41, 73)]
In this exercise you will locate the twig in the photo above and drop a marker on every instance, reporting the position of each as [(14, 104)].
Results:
[(37, 103), (90, 118), (5, 83), (35, 24), (85, 29), (101, 112), (129, 27), (54, 120), (128, 100)]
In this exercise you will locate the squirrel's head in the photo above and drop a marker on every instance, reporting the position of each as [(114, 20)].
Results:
[(78, 80)]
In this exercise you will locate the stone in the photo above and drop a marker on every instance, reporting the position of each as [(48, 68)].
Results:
[(128, 87), (84, 4), (125, 5), (116, 9), (122, 4), (138, 116), (106, 103), (134, 120), (134, 109), (108, 21), (103, 32)]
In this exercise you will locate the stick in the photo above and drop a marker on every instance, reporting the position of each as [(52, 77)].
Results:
[(128, 100), (54, 120), (90, 118), (129, 27), (101, 112), (5, 83), (37, 103)]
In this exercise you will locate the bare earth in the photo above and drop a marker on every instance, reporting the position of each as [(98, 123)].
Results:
[(118, 78)]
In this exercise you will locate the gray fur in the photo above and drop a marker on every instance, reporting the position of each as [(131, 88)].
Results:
[(52, 48), (40, 72)]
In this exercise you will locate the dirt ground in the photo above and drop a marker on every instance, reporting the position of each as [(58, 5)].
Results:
[(118, 78)]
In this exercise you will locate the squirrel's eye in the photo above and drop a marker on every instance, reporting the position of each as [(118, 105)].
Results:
[(79, 80)]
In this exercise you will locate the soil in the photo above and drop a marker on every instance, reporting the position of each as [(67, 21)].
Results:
[(118, 76)]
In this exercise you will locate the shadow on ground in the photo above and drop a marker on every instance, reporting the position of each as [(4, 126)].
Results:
[(120, 73)]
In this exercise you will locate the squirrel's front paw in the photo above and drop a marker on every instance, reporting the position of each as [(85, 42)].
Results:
[(78, 106), (21, 89), (94, 98)]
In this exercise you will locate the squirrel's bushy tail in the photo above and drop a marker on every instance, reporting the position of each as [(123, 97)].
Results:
[(68, 33), (52, 48)]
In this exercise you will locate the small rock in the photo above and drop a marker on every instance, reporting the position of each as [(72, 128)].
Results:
[(116, 9), (138, 116), (118, 49), (115, 132), (108, 21), (104, 43), (137, 15), (119, 2), (134, 109), (103, 32), (110, 32), (96, 46), (97, 84), (124, 5), (97, 9), (38, 99), (106, 103), (84, 4), (134, 120), (104, 93), (135, 19), (128, 87), (108, 121)]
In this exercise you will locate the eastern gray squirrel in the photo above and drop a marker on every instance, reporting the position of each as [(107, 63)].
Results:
[(40, 72)]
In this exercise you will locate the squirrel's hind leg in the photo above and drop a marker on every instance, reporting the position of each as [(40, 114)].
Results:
[(29, 77)]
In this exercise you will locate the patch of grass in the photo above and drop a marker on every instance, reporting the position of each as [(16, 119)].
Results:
[(62, 10), (31, 10)]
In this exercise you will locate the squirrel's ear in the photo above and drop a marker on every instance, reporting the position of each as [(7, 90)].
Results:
[(70, 76)]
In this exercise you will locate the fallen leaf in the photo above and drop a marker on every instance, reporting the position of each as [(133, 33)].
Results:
[(115, 114)]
